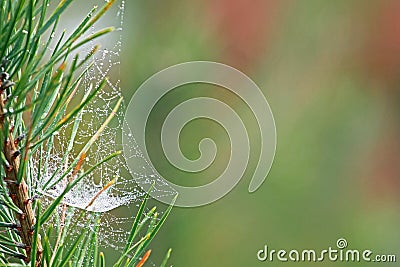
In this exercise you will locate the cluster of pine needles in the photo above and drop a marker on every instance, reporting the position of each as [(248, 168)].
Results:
[(37, 85)]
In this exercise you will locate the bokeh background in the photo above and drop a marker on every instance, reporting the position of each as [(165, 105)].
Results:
[(331, 73)]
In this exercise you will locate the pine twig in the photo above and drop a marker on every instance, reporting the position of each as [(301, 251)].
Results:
[(18, 190)]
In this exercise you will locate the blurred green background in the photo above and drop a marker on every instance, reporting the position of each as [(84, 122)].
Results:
[(331, 73)]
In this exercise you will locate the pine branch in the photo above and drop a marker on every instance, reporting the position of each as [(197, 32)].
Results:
[(40, 104), (18, 190)]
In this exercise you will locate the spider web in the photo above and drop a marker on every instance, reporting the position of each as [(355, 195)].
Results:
[(125, 191)]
